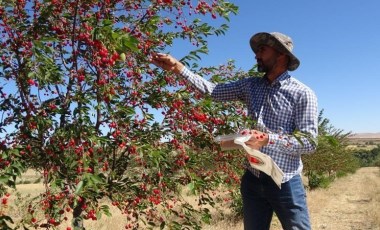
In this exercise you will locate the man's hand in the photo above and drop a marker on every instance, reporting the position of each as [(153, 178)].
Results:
[(167, 62), (258, 139)]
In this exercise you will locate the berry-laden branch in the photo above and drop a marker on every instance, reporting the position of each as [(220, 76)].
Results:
[(101, 121)]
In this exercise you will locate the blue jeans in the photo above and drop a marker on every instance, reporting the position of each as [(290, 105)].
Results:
[(262, 197)]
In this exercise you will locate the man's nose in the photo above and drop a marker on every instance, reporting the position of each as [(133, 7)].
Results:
[(258, 54)]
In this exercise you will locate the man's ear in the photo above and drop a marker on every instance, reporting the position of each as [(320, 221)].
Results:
[(284, 58)]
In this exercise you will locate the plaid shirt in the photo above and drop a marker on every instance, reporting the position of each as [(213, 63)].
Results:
[(280, 108)]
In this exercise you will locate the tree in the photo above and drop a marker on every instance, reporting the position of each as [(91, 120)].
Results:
[(331, 157), (368, 157), (79, 103)]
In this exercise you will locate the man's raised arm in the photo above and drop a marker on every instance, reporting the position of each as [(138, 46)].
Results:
[(167, 62)]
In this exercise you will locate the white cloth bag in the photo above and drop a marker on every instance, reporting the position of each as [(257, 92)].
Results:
[(257, 159)]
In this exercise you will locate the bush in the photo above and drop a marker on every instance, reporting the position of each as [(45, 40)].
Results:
[(237, 203), (331, 158), (368, 157), (319, 181)]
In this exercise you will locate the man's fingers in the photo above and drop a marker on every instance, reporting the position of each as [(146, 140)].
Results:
[(165, 58), (166, 62), (160, 56)]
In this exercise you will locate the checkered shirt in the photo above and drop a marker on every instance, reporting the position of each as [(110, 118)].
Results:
[(279, 109)]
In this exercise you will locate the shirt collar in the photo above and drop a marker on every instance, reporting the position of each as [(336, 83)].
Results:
[(280, 79)]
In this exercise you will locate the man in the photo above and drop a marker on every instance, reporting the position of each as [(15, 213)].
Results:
[(281, 106)]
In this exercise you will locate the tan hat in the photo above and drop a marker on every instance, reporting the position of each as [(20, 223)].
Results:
[(278, 41)]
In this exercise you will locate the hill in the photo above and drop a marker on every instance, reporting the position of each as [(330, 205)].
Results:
[(365, 136), (364, 140)]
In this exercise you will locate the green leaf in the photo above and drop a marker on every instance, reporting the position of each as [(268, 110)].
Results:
[(151, 223), (191, 187), (4, 222), (206, 217), (107, 22), (95, 178), (31, 74), (129, 42), (162, 226), (58, 183), (79, 188), (4, 179), (99, 215), (298, 138), (207, 102), (106, 210)]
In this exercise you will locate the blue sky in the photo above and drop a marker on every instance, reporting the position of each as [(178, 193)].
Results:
[(337, 42)]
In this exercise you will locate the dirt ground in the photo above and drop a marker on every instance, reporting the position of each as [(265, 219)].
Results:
[(350, 203)]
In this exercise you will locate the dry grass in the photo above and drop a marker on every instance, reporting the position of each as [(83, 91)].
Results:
[(373, 192), (361, 147), (350, 203)]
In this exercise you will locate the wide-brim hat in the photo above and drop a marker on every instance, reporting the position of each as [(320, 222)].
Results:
[(278, 41)]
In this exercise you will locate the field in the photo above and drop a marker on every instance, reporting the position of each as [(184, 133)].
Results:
[(365, 141), (365, 144), (350, 202)]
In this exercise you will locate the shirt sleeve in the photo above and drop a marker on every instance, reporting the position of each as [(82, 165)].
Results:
[(219, 92), (203, 85), (306, 119)]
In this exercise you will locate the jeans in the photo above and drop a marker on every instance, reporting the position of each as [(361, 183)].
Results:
[(262, 197)]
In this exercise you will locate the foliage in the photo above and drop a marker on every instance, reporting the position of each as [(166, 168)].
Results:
[(368, 157), (80, 104), (331, 157), (318, 180)]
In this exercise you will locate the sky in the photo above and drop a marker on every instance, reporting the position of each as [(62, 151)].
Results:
[(337, 42)]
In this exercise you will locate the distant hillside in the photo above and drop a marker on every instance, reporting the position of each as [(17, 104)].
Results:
[(365, 136)]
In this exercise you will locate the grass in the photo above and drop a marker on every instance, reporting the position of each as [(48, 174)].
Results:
[(361, 147), (30, 177)]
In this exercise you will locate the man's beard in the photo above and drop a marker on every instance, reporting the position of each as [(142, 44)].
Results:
[(261, 67), (265, 67)]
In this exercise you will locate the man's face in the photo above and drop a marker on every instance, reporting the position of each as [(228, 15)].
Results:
[(266, 57)]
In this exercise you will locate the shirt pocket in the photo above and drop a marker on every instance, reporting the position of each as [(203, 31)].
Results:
[(280, 110)]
